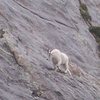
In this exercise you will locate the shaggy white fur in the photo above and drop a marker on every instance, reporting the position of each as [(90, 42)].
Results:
[(59, 58)]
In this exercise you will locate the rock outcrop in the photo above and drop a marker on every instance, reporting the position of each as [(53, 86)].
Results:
[(28, 28)]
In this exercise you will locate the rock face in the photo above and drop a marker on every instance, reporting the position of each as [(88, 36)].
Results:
[(30, 28)]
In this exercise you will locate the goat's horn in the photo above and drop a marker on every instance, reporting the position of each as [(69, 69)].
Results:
[(49, 51)]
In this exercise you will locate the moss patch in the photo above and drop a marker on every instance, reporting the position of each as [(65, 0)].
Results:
[(83, 6), (84, 13), (95, 30)]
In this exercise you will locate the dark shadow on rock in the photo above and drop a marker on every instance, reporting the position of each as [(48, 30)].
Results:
[(35, 93), (59, 95), (1, 33), (50, 69)]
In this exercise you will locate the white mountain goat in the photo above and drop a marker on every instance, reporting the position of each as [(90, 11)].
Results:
[(58, 59)]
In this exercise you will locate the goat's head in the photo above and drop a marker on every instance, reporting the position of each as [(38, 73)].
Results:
[(49, 53)]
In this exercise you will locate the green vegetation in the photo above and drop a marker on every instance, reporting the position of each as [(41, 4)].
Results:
[(84, 13), (83, 6), (95, 30)]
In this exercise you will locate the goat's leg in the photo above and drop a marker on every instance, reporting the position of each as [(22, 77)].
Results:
[(69, 71), (67, 68), (57, 66)]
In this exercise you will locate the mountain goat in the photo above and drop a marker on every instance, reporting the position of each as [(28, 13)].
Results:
[(58, 59)]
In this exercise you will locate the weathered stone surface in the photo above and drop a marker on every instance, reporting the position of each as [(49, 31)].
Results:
[(31, 28)]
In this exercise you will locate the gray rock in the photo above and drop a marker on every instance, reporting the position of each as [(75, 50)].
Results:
[(36, 26)]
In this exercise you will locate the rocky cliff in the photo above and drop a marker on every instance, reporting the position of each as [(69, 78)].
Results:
[(28, 28)]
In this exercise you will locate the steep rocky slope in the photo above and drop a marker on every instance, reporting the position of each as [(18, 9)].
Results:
[(30, 28)]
